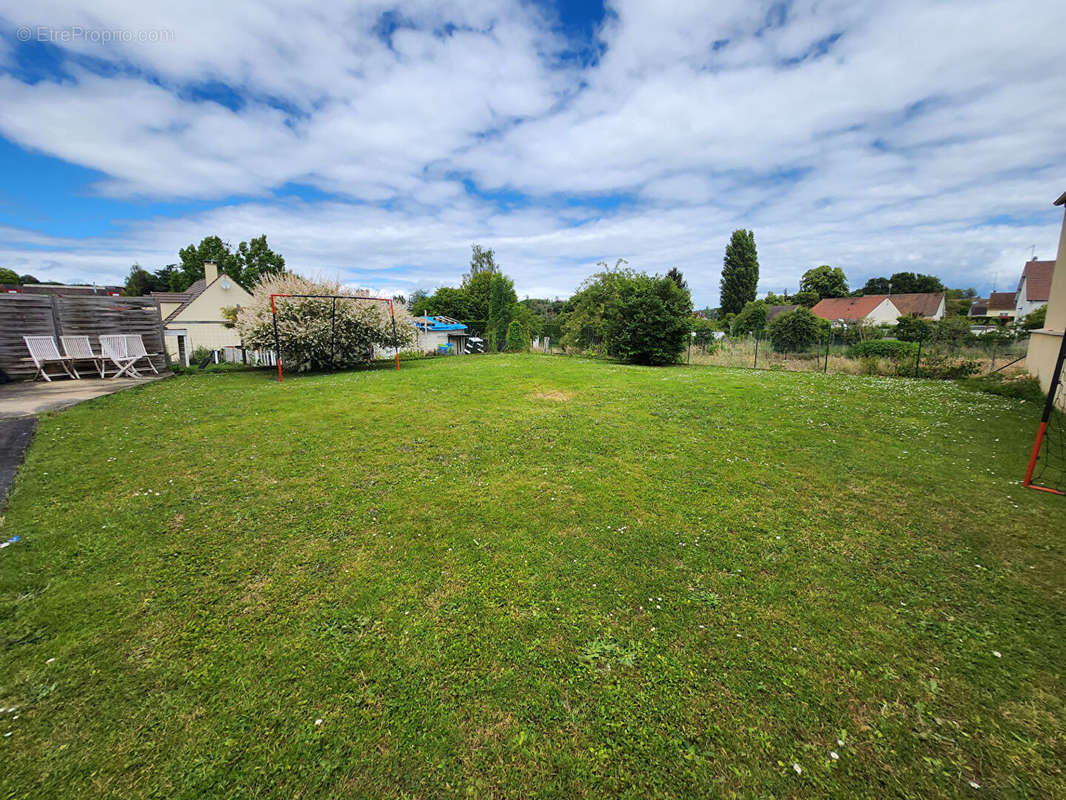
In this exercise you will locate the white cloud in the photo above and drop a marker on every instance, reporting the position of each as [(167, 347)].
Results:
[(871, 136)]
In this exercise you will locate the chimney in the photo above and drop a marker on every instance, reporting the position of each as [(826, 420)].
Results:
[(210, 272)]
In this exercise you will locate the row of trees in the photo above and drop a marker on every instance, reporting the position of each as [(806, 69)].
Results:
[(10, 277), (487, 303), (248, 263)]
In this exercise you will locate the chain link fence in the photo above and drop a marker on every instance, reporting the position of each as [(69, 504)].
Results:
[(963, 357)]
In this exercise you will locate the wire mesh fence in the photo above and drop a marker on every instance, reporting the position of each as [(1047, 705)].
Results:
[(926, 359)]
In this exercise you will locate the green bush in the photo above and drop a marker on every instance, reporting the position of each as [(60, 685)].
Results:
[(943, 367), (913, 329), (795, 331), (516, 338), (883, 348), (752, 319)]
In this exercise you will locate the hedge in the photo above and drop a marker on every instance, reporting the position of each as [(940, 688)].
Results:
[(883, 348)]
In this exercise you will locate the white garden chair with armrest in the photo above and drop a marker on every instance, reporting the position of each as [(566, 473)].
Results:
[(43, 351), (113, 348), (78, 348), (135, 350)]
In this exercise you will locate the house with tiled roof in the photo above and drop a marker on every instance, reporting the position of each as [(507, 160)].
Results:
[(876, 309), (926, 305), (1034, 287), (196, 318), (777, 311), (1001, 305)]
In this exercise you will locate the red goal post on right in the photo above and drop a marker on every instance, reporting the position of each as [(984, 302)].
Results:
[(1048, 459)]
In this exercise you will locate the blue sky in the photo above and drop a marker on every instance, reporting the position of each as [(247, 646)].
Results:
[(377, 142)]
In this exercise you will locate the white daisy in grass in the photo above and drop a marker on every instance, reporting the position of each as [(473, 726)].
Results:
[(798, 768)]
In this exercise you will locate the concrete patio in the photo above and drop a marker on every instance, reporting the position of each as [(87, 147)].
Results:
[(29, 398)]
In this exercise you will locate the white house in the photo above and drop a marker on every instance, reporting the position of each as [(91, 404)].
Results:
[(1034, 288), (877, 309), (194, 318)]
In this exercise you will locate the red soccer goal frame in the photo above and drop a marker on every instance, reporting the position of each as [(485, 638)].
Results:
[(1049, 406), (333, 321)]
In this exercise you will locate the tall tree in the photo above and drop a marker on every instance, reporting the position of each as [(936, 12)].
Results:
[(740, 272), (827, 281), (904, 283), (876, 286), (675, 275), (8, 276), (193, 258), (502, 300), (248, 264), (256, 261), (140, 282), (481, 260)]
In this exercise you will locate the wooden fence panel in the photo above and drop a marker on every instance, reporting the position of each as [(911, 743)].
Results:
[(49, 315), (22, 315)]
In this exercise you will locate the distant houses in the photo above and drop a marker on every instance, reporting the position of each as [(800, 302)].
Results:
[(1001, 305), (881, 309)]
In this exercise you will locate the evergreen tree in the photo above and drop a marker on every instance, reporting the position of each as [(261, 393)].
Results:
[(740, 272), (675, 275), (502, 300), (516, 337)]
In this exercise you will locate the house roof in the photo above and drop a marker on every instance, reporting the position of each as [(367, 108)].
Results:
[(439, 324), (1001, 301), (847, 307), (1037, 278), (777, 311), (186, 297), (922, 304)]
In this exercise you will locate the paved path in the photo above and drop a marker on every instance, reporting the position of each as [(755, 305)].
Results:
[(15, 436), (26, 398)]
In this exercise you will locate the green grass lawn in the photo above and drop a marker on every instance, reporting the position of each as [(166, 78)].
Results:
[(523, 576)]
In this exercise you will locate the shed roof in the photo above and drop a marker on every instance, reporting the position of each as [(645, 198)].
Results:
[(428, 323)]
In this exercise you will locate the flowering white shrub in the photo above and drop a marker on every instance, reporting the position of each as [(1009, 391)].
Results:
[(305, 325)]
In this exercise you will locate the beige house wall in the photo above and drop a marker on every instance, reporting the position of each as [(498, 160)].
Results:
[(885, 313), (1044, 343), (203, 320)]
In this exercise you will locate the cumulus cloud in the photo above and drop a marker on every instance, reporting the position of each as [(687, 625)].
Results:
[(872, 136)]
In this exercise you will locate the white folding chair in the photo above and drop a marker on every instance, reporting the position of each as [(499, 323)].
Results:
[(113, 348), (78, 348), (43, 351), (135, 350)]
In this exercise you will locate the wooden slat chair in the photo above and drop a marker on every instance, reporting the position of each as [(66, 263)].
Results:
[(78, 348), (135, 350), (113, 348), (43, 351)]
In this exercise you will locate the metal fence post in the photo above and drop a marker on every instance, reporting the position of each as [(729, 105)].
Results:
[(756, 364), (828, 338), (918, 358)]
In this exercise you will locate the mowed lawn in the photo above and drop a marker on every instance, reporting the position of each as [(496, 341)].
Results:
[(532, 576)]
